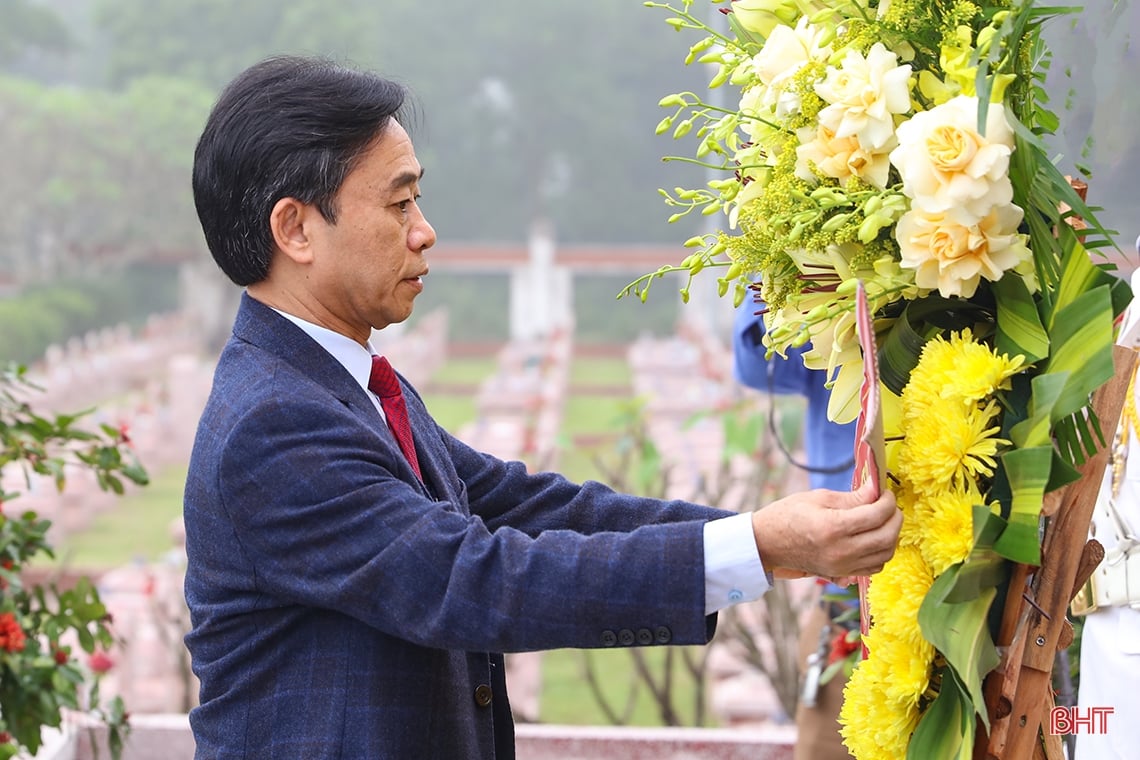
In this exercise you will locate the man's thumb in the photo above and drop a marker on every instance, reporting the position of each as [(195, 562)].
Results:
[(866, 493)]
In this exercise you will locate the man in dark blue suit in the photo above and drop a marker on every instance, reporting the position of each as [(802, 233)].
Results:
[(350, 599)]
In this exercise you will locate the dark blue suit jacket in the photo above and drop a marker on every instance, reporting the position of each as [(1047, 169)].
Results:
[(341, 608)]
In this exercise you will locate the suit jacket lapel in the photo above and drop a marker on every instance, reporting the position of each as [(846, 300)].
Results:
[(261, 326)]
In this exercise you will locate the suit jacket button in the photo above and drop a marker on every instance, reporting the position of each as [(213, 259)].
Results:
[(609, 638), (626, 637), (483, 695), (644, 637), (664, 635)]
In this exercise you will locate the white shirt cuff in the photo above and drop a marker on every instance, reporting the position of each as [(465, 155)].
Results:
[(734, 572)]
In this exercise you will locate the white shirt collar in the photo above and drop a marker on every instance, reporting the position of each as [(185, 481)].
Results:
[(353, 357)]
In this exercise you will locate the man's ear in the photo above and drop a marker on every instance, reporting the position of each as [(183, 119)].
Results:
[(291, 222)]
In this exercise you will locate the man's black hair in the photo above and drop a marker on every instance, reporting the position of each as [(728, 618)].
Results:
[(288, 127)]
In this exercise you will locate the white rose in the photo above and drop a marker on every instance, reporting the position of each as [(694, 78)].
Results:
[(865, 93), (785, 53), (944, 162), (952, 249)]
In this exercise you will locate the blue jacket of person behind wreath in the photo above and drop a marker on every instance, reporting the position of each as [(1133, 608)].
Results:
[(828, 444)]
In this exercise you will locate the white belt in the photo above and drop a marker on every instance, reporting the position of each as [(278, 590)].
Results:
[(1116, 581)]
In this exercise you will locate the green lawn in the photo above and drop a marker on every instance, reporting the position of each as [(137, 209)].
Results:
[(566, 697), (589, 415), (472, 370), (450, 410), (137, 529), (589, 370)]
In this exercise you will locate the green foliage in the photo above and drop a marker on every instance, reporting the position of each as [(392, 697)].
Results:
[(466, 297), (40, 675), (517, 122), (101, 178), (217, 38), (52, 313), (29, 25), (137, 529)]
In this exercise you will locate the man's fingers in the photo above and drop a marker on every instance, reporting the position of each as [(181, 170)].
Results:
[(868, 550), (867, 492), (867, 517), (864, 494), (789, 574)]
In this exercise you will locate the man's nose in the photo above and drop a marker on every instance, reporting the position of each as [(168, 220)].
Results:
[(422, 235)]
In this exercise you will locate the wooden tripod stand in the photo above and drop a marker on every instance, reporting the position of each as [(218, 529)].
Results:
[(1019, 693)]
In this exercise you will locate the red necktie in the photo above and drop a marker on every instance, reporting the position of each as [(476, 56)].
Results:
[(384, 383)]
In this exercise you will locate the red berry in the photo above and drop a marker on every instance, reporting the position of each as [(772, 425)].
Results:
[(100, 662)]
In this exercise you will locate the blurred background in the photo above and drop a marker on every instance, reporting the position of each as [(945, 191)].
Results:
[(528, 111), (536, 129)]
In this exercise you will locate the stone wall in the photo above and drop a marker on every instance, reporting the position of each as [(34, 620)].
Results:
[(167, 737)]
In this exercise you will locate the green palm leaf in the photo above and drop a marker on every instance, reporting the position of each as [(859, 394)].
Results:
[(946, 731)]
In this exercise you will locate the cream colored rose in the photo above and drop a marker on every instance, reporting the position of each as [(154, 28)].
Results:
[(944, 162), (864, 94), (841, 158), (952, 249)]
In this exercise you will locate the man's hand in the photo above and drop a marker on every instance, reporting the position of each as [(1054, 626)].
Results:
[(832, 534)]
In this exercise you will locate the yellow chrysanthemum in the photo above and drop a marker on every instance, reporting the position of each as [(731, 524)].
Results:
[(950, 447), (947, 528), (958, 369), (912, 532), (896, 593), (874, 726), (908, 666)]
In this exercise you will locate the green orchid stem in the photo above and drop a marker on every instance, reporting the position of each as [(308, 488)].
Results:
[(700, 108), (684, 160), (696, 23), (697, 102), (647, 279), (862, 11), (847, 304), (765, 122)]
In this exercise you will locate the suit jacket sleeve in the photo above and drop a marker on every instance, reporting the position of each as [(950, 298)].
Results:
[(322, 518)]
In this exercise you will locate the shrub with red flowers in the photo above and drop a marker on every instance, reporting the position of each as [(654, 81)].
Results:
[(40, 677), (12, 637)]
